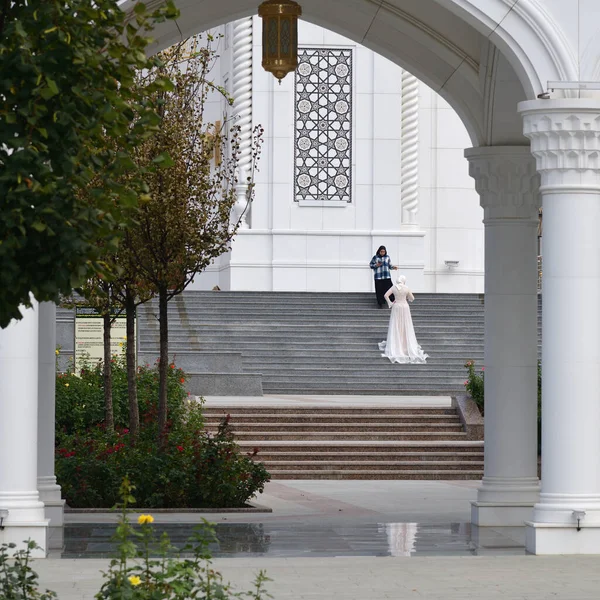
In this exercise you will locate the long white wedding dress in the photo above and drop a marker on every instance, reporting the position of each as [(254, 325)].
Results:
[(401, 345)]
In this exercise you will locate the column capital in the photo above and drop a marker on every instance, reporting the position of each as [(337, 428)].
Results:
[(506, 181), (565, 141)]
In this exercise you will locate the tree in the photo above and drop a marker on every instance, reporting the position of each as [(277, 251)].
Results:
[(129, 292), (187, 221), (68, 72)]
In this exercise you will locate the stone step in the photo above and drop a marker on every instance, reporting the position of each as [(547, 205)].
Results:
[(371, 457), (360, 447), (368, 465), (410, 374), (341, 411), (386, 429), (368, 365), (261, 436), (424, 389), (452, 475), (363, 420)]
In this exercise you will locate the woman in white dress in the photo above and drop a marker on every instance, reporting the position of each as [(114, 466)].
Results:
[(401, 345)]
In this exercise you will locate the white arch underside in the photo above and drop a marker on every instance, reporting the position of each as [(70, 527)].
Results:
[(443, 42)]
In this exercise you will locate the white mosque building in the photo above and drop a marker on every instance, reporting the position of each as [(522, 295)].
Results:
[(357, 153), (523, 76)]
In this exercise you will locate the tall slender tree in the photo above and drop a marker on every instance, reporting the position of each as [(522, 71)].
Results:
[(188, 220)]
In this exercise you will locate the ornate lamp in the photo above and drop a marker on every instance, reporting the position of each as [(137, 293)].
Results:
[(280, 36)]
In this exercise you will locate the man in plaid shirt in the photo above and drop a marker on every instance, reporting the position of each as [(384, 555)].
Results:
[(381, 264)]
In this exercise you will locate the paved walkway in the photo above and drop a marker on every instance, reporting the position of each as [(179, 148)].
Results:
[(433, 571)]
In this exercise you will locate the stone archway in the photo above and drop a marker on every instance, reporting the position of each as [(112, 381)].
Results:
[(483, 57)]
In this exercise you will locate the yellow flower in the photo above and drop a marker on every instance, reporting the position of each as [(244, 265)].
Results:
[(57, 351), (134, 580), (143, 519), (66, 385)]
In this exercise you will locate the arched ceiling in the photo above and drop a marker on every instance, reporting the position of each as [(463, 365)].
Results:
[(445, 43)]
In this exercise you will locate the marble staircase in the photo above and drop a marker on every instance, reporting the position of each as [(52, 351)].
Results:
[(325, 442)]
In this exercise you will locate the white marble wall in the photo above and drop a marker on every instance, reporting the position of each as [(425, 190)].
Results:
[(327, 248)]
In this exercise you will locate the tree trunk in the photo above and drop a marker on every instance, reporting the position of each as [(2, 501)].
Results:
[(163, 367), (109, 419), (134, 410)]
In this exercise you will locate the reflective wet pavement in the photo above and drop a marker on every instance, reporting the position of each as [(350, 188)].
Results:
[(298, 539)]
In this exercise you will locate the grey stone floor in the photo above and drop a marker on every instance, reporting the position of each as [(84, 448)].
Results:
[(350, 540)]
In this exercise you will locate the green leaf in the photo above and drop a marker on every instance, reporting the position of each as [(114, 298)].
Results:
[(163, 160), (38, 226)]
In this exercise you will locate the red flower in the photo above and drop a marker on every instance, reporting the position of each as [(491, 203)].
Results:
[(182, 380), (172, 365), (180, 448)]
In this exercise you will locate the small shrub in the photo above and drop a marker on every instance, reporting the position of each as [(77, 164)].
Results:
[(133, 574), (136, 576), (474, 387), (18, 581), (474, 384), (191, 469), (80, 396)]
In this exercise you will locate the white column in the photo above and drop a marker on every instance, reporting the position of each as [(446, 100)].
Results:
[(565, 140), (507, 182), (242, 110), (18, 433), (48, 489), (409, 158)]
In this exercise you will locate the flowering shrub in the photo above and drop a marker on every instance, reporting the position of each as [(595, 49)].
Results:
[(80, 396), (136, 576), (192, 469)]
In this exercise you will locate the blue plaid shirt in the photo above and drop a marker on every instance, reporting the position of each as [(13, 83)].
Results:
[(382, 271)]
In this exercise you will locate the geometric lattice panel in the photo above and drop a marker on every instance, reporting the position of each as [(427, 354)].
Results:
[(323, 125)]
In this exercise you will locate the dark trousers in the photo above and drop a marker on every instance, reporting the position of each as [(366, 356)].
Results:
[(381, 287)]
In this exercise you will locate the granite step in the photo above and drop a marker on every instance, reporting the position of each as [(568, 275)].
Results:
[(300, 458), (369, 465), (317, 428), (329, 418), (343, 411), (449, 475), (261, 436)]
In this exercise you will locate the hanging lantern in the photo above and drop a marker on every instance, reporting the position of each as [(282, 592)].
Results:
[(280, 36)]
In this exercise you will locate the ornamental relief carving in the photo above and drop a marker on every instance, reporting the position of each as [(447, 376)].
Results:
[(564, 140), (508, 185)]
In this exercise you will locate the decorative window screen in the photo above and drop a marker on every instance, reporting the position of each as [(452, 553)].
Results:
[(323, 125)]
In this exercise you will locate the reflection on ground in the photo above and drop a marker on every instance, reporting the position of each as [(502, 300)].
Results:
[(297, 539)]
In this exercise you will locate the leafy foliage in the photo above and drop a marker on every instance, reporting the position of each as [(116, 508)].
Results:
[(187, 221), (69, 110), (80, 396), (134, 575), (474, 384), (18, 581), (191, 469)]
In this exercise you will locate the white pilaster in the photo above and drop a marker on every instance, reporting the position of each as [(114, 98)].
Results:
[(242, 110), (18, 433), (565, 140), (507, 182), (409, 158), (48, 489)]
